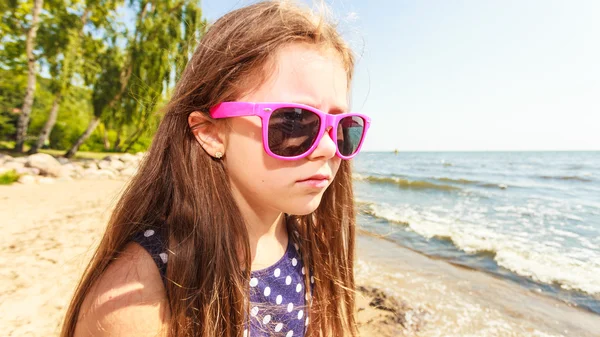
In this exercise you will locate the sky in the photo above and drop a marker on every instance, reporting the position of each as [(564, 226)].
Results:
[(471, 75)]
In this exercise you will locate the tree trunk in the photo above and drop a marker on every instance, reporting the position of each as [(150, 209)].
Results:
[(132, 139), (45, 133), (106, 141), (23, 122), (91, 127), (117, 146)]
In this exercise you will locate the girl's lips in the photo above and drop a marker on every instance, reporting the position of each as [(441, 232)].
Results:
[(317, 177), (318, 181)]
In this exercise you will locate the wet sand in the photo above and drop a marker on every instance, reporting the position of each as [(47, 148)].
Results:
[(457, 301)]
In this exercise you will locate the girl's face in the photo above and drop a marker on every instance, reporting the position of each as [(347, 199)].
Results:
[(302, 74)]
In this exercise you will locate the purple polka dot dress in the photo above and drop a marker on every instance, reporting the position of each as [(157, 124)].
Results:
[(278, 298)]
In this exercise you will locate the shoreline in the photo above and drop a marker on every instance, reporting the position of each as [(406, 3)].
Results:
[(51, 230), (485, 262), (461, 301)]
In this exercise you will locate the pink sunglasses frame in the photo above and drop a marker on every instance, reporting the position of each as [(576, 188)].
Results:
[(264, 111)]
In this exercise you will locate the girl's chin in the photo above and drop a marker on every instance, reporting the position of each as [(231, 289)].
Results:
[(304, 208)]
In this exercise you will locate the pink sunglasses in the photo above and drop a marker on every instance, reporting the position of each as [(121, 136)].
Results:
[(292, 131)]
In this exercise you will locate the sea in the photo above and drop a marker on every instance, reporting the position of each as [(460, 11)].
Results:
[(532, 218)]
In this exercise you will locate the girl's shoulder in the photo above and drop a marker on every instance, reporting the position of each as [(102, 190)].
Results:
[(128, 297)]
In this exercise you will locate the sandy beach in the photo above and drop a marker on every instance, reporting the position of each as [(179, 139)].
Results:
[(50, 231)]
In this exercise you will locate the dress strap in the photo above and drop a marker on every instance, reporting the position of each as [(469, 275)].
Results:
[(151, 240)]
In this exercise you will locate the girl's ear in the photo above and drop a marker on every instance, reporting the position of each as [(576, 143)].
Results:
[(208, 133)]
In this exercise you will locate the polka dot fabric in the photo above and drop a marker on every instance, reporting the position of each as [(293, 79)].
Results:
[(153, 243), (277, 294), (278, 297)]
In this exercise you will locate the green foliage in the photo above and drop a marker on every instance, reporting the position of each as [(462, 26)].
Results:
[(74, 115), (9, 177), (11, 100), (108, 84), (41, 106), (97, 66), (74, 112), (12, 34)]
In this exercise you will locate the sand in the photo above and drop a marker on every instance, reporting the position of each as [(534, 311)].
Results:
[(49, 232)]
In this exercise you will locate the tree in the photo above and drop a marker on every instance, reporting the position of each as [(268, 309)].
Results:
[(173, 29), (106, 87), (31, 77), (164, 29), (64, 33)]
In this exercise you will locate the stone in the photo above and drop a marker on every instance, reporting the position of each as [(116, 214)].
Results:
[(12, 165), (128, 158), (65, 171), (70, 167), (106, 173), (77, 171), (399, 312), (28, 170), (111, 157), (27, 179), (98, 174), (104, 164), (73, 170), (63, 160), (116, 165), (90, 164), (47, 164), (5, 158), (129, 171), (46, 180)]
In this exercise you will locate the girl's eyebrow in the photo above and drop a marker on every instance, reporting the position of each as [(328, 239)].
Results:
[(334, 110)]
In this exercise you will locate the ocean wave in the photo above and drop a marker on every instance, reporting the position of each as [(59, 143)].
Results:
[(492, 185), (458, 181), (567, 178), (382, 213), (471, 182), (535, 260), (446, 183), (406, 184)]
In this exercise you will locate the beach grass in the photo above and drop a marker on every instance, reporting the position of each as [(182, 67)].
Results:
[(9, 177)]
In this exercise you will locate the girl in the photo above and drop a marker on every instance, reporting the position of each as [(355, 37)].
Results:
[(240, 221)]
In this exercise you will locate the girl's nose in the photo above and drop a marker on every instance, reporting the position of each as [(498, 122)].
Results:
[(326, 148)]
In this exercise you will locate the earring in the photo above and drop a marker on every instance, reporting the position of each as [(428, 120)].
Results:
[(218, 154)]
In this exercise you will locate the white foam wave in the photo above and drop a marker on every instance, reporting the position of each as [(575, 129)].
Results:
[(515, 251), (358, 176), (587, 244), (564, 233)]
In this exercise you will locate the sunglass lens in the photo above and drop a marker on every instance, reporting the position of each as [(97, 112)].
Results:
[(292, 131), (349, 134)]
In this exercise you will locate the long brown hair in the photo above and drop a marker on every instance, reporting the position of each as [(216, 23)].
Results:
[(185, 193)]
